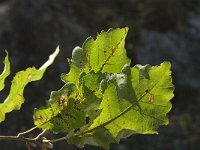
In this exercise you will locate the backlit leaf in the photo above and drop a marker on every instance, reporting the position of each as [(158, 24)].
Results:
[(105, 54), (5, 72), (126, 108), (63, 112), (21, 79)]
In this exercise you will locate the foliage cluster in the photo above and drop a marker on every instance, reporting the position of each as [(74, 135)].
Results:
[(103, 99)]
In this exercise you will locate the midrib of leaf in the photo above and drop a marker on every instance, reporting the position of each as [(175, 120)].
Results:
[(112, 53)]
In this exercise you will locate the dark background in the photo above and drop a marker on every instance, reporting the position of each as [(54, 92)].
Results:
[(159, 30)]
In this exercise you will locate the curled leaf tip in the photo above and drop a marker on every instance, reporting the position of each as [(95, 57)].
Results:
[(51, 59)]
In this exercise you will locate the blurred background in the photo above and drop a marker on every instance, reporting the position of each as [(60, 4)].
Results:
[(159, 30)]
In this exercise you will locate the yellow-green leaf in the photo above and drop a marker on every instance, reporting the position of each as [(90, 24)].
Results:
[(135, 105), (106, 54), (5, 72), (21, 79)]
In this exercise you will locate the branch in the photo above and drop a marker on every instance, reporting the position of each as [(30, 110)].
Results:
[(18, 138), (30, 142)]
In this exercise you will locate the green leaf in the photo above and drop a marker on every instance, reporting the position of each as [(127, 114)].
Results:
[(21, 79), (134, 105), (78, 103), (105, 54), (5, 72), (63, 112)]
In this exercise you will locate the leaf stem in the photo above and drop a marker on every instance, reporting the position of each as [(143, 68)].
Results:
[(57, 140), (39, 135), (27, 131)]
